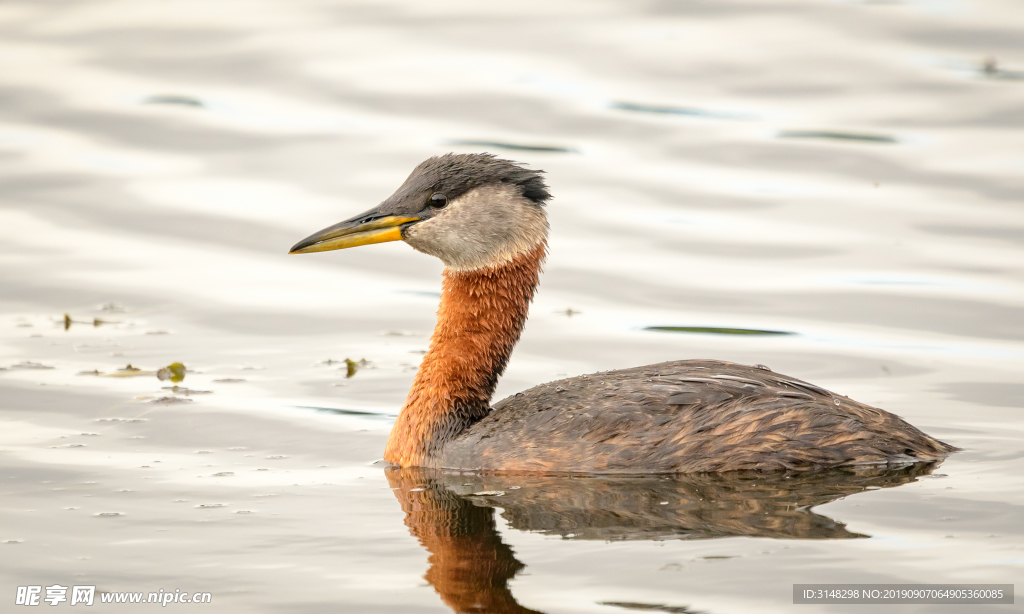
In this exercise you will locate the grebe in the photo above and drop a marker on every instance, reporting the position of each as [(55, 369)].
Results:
[(484, 218)]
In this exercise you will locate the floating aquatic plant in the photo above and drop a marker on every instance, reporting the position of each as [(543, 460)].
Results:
[(352, 366), (348, 412), (712, 330), (128, 371), (990, 69), (186, 101), (838, 136), (169, 401), (516, 146), (670, 110), (31, 365), (174, 372)]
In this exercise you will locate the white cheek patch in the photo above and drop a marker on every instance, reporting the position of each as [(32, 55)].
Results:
[(484, 227)]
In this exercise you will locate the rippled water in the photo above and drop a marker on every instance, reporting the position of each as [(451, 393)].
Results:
[(849, 173)]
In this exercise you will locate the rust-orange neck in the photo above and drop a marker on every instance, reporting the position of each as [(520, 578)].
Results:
[(481, 315)]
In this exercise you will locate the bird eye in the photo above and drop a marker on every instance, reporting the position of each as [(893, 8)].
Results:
[(438, 201)]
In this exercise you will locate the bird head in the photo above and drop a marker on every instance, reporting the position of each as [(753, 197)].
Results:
[(469, 210)]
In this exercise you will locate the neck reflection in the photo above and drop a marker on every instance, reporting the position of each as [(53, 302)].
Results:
[(469, 564), (452, 516)]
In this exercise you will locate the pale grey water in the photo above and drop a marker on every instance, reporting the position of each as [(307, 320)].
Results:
[(849, 172)]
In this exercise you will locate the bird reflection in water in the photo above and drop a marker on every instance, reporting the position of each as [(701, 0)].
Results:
[(452, 516)]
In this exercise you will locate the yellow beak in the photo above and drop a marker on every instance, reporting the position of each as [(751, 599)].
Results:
[(353, 233)]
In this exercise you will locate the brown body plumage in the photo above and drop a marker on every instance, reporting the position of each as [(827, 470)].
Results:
[(484, 218), (685, 416)]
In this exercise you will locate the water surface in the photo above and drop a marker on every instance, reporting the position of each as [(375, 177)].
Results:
[(848, 173)]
